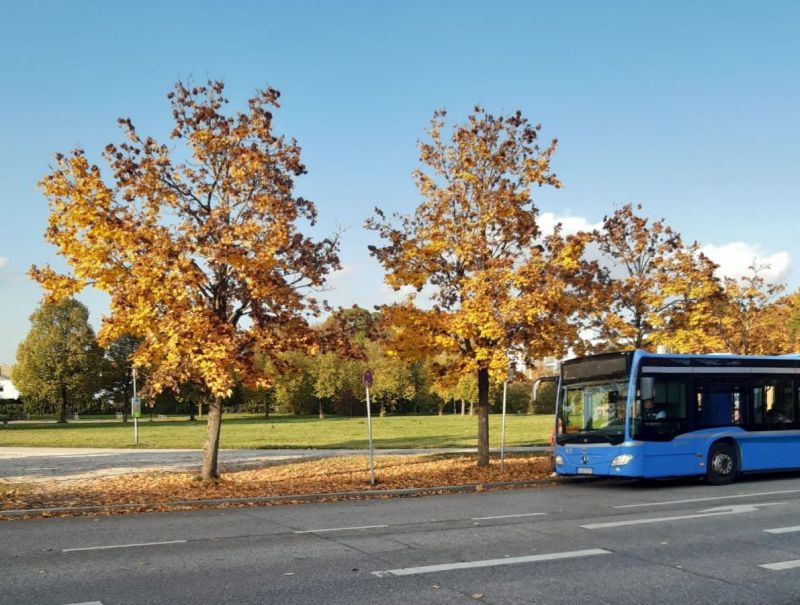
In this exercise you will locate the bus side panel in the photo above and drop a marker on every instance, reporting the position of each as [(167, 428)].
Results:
[(767, 450), (674, 458)]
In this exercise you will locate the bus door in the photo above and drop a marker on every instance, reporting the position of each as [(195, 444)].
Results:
[(722, 402), (661, 419)]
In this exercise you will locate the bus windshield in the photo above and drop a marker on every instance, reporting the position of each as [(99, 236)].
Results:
[(592, 413)]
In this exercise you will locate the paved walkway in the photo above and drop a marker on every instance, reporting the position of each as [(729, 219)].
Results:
[(35, 464)]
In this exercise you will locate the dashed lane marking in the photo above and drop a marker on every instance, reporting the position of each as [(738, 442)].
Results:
[(781, 565), (329, 529), (507, 516), (410, 571), (124, 546), (709, 499), (783, 530), (730, 509)]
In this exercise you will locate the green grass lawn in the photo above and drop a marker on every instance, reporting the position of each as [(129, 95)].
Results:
[(247, 431)]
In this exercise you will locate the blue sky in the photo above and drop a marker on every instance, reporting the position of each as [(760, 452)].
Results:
[(688, 108)]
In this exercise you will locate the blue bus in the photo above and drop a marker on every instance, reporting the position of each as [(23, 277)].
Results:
[(638, 414)]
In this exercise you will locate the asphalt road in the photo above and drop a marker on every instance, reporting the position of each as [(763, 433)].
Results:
[(595, 542)]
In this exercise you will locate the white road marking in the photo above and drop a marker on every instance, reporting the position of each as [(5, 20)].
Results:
[(781, 565), (783, 530), (318, 531), (124, 545), (508, 516), (709, 499), (86, 603), (731, 509), (410, 571)]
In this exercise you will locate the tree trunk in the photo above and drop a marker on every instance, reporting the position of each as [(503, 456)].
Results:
[(62, 412), (211, 447), (463, 407), (483, 417), (266, 407), (382, 413), (191, 411), (321, 410)]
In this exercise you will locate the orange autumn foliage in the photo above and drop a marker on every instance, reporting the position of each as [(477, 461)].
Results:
[(501, 289), (200, 248)]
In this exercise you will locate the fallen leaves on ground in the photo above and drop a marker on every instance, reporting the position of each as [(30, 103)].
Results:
[(156, 490)]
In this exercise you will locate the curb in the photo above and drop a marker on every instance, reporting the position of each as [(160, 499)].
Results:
[(361, 494)]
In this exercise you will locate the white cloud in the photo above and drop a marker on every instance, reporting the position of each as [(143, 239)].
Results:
[(569, 224), (386, 295), (3, 261), (363, 284), (735, 258)]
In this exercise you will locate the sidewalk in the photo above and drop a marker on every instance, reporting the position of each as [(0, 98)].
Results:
[(35, 465)]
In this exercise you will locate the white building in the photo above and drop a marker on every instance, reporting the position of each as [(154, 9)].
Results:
[(7, 389)]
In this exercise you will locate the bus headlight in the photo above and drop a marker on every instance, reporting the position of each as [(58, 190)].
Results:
[(622, 460), (559, 459)]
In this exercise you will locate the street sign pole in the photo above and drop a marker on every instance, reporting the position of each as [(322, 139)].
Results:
[(136, 411), (367, 385), (503, 429)]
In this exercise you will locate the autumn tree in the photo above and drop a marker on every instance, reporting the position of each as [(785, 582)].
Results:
[(117, 378), (59, 361), (294, 384), (393, 378), (752, 317), (499, 286), (345, 338), (450, 385), (328, 372), (793, 301), (656, 290), (200, 247)]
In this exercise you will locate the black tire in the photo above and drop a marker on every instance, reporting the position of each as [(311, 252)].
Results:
[(722, 465)]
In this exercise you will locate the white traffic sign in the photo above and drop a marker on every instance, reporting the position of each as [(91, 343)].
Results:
[(136, 407)]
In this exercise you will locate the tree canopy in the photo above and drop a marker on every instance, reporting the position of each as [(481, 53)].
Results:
[(200, 248), (655, 290), (499, 286), (59, 362)]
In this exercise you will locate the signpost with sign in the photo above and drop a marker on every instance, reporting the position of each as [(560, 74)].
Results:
[(503, 429), (136, 410), (503, 421), (368, 385)]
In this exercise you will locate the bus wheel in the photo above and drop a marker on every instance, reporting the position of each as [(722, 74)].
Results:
[(722, 464)]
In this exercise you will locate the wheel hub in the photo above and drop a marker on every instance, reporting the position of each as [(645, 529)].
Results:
[(722, 464)]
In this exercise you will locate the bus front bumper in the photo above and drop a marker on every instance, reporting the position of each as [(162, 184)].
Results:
[(598, 459)]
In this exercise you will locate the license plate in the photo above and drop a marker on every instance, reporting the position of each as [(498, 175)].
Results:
[(582, 470)]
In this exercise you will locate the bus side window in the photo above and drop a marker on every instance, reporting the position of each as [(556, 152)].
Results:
[(773, 403), (664, 414), (719, 402)]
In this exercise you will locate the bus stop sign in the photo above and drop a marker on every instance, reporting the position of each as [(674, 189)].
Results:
[(368, 379), (136, 407)]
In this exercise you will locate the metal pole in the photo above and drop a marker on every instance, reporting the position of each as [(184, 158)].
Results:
[(135, 419), (503, 429), (369, 429)]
